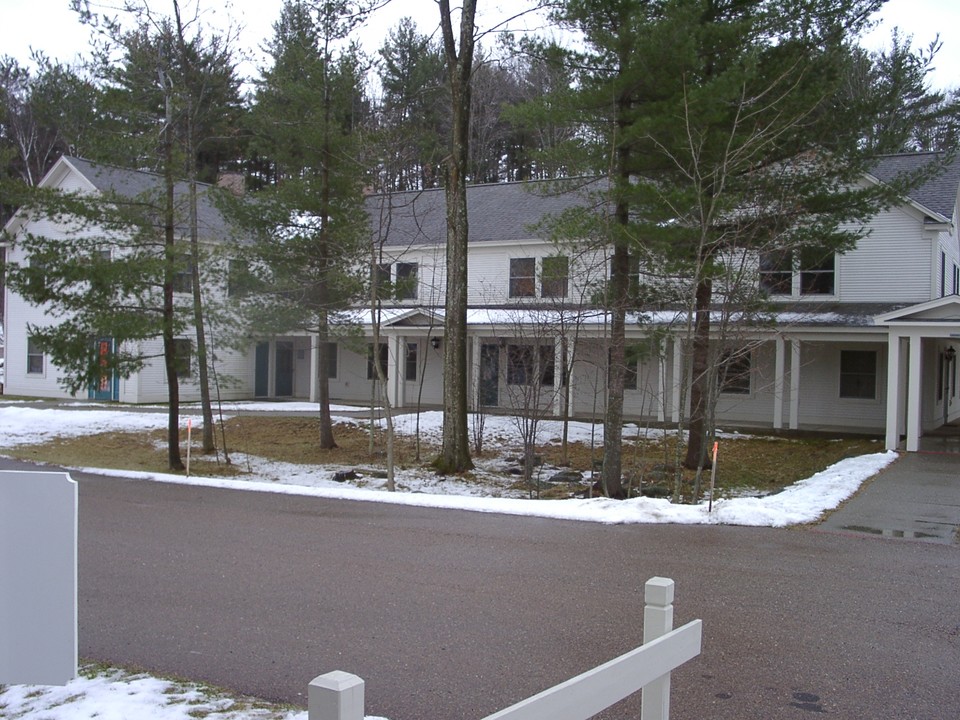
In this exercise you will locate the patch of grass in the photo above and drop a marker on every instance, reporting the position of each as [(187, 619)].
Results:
[(750, 464)]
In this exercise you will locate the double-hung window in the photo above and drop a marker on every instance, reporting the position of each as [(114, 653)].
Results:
[(410, 363), (523, 281), (406, 284), (183, 357), (555, 277), (631, 362), (858, 374), (733, 373), (183, 275), (776, 272), (382, 361), (34, 357), (329, 357), (548, 366), (519, 364), (817, 271)]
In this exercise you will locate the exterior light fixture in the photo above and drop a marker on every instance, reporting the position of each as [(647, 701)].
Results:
[(435, 343)]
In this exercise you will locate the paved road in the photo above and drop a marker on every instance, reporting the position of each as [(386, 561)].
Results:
[(455, 615)]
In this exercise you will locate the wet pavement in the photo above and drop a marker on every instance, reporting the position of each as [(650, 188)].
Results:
[(915, 498)]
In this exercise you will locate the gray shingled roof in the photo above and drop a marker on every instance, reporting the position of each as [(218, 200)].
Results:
[(505, 212), (509, 212), (938, 194), (110, 179)]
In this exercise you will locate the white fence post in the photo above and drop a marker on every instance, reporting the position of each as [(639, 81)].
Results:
[(335, 696), (339, 695), (657, 622)]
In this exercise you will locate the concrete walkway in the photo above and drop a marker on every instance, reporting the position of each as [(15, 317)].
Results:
[(916, 498)]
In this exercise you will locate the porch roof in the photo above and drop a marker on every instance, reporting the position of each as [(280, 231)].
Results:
[(943, 311), (828, 315)]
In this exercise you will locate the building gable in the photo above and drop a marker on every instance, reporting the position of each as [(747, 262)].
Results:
[(941, 310)]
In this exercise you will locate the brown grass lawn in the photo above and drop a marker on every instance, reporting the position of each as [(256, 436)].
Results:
[(751, 464)]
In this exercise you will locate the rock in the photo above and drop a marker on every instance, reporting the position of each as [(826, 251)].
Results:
[(345, 475), (655, 491), (566, 476)]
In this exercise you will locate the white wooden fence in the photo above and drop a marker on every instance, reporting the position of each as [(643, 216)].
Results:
[(339, 695)]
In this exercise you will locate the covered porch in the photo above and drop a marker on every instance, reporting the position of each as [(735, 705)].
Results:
[(922, 393)]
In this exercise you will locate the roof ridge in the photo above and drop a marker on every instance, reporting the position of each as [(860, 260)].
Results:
[(121, 169)]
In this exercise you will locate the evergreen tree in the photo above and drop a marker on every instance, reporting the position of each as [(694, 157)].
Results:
[(719, 124), (891, 88), (118, 276), (44, 113), (412, 117), (307, 117)]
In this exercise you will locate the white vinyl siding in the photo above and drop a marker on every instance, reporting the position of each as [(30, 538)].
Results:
[(892, 264)]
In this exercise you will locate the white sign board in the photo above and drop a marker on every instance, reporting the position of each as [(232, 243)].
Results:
[(38, 578)]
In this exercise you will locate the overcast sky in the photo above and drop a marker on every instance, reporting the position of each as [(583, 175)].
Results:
[(50, 25)]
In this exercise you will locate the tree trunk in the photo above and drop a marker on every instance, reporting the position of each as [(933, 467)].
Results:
[(611, 475), (455, 451), (700, 386), (191, 140), (327, 440), (202, 367), (169, 345)]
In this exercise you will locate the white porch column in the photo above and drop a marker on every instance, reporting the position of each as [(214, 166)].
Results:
[(677, 380), (913, 396), (474, 372), (272, 370), (559, 362), (779, 365), (662, 379), (893, 391), (568, 361), (394, 369), (794, 384), (314, 368)]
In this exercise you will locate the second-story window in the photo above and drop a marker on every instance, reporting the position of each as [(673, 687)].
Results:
[(238, 277), (380, 277), (776, 272), (817, 271), (183, 276), (406, 285), (523, 280), (555, 277)]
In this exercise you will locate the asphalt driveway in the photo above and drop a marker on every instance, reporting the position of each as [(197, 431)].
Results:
[(915, 498)]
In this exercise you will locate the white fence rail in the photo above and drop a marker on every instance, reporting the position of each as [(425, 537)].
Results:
[(339, 695)]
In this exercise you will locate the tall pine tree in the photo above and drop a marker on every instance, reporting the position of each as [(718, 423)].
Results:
[(307, 119)]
